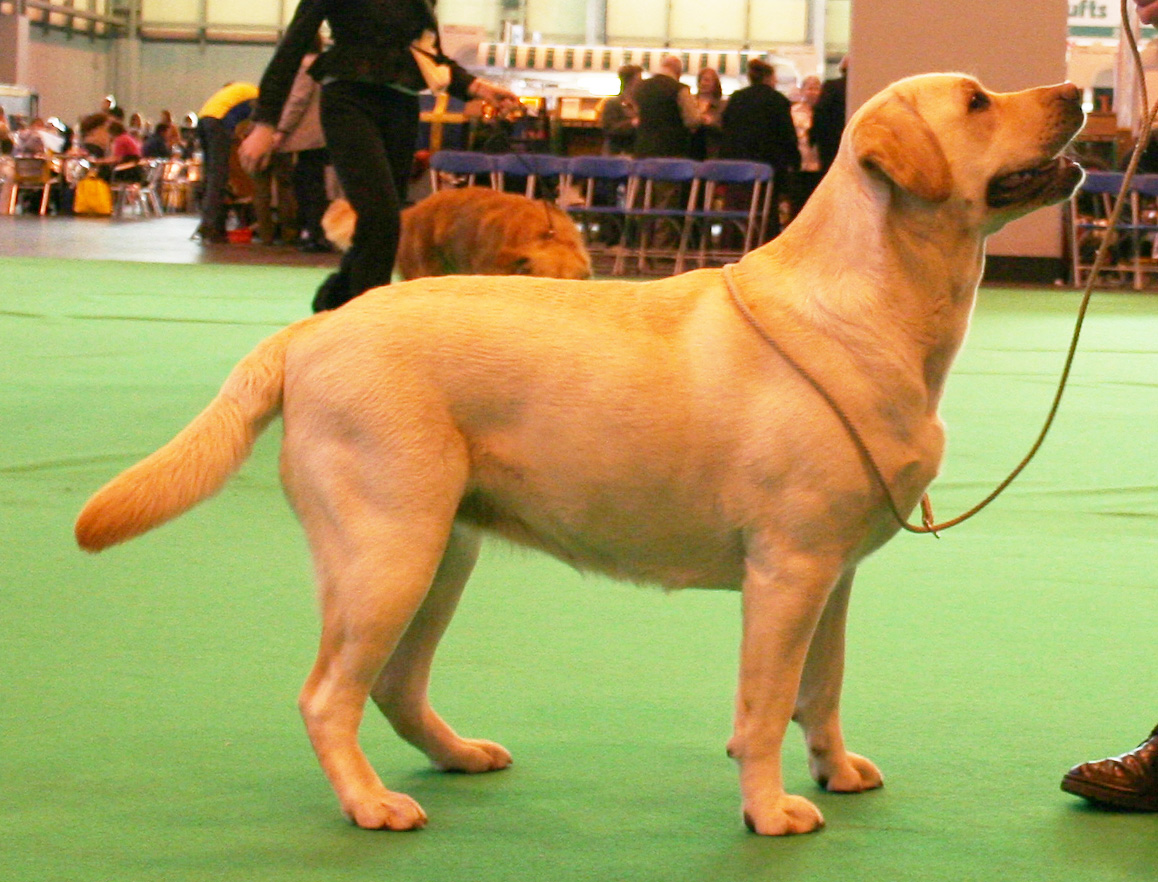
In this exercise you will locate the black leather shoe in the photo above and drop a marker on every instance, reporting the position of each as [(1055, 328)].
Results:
[(210, 236), (315, 246), (1129, 781)]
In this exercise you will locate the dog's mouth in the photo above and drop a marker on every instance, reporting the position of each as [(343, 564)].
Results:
[(1051, 181)]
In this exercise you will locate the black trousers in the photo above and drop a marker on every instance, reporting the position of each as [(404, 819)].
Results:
[(216, 141), (371, 132)]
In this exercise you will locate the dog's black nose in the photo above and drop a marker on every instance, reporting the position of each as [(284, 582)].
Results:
[(1069, 92)]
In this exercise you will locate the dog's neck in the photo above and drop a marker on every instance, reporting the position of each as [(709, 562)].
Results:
[(907, 275)]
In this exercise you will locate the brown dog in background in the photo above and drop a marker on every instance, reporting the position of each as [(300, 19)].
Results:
[(478, 231)]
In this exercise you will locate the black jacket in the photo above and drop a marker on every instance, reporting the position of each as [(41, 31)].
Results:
[(758, 125), (371, 44), (661, 130), (828, 119)]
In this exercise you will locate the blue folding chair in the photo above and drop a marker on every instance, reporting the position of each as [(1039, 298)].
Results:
[(534, 167), (723, 215), (1144, 203), (599, 213), (656, 211), (464, 165), (1088, 218)]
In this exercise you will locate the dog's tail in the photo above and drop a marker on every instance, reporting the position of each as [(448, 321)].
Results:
[(203, 456), (338, 224)]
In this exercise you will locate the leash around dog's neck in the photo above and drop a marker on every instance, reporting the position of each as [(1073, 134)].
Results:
[(870, 462), (1150, 114), (928, 524)]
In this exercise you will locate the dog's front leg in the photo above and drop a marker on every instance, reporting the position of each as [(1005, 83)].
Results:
[(784, 595), (818, 703)]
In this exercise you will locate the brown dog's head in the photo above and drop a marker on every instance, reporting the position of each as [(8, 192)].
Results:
[(552, 248), (944, 138)]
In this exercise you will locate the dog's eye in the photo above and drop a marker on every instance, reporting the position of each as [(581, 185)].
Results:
[(978, 101)]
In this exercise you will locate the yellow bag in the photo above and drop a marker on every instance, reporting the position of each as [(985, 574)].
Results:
[(93, 196)]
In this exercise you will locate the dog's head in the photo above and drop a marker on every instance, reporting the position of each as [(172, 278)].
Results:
[(946, 139), (548, 245)]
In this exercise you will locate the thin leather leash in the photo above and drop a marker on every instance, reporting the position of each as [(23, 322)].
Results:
[(928, 523), (546, 203), (866, 455)]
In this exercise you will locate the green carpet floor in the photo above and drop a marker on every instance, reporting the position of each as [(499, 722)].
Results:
[(148, 728)]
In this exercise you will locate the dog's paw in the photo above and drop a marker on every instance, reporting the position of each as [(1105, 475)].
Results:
[(387, 811), (853, 774), (473, 755), (786, 816)]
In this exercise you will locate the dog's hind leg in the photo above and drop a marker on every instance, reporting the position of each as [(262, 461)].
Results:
[(401, 689), (377, 542), (784, 596), (818, 702)]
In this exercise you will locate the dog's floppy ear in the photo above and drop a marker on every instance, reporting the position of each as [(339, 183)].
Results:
[(894, 139)]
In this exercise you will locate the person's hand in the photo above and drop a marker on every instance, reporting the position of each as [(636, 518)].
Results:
[(1148, 11), (503, 100), (256, 149)]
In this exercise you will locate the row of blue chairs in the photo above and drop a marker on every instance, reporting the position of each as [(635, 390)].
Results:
[(1134, 244), (643, 211)]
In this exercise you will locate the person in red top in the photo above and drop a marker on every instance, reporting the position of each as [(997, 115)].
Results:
[(1148, 11), (125, 146), (124, 154)]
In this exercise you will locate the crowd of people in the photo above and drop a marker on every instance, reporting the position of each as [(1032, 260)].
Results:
[(659, 116), (102, 143), (277, 132)]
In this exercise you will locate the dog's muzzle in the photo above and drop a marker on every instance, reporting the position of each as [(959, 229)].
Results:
[(1055, 178), (1050, 182)]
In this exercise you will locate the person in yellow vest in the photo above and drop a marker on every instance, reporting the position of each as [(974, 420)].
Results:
[(216, 121)]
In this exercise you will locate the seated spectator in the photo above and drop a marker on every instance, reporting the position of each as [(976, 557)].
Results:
[(187, 137), (57, 136), (94, 135), (29, 141), (6, 140), (124, 154), (159, 144)]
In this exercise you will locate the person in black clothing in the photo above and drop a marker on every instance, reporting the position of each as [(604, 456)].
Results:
[(828, 117), (667, 116), (758, 125), (370, 85), (159, 144), (618, 116), (667, 112)]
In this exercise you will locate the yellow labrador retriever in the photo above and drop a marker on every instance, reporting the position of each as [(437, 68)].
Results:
[(641, 429)]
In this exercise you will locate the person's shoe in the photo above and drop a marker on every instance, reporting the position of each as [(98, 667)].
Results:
[(1129, 781), (315, 246), (209, 236)]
